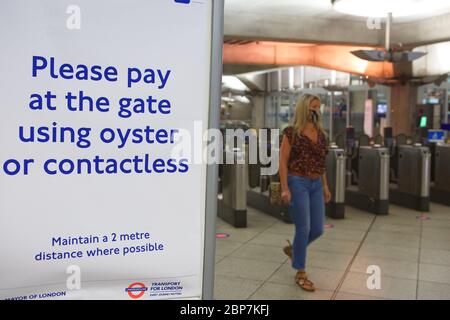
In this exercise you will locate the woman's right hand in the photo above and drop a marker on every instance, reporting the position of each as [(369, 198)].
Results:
[(286, 196)]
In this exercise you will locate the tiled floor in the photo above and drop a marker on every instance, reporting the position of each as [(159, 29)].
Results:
[(413, 256)]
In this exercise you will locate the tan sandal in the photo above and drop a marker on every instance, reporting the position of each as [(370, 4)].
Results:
[(302, 280), (288, 249)]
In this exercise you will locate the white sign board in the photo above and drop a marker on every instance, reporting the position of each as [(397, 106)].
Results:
[(93, 203)]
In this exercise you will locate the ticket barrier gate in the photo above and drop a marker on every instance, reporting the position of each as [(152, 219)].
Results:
[(412, 189), (232, 205), (335, 166), (259, 198), (440, 189), (371, 193)]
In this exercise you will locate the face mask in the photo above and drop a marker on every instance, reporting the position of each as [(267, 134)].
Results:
[(314, 116)]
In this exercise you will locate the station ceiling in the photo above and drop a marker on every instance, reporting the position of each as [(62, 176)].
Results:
[(262, 34), (317, 21), (316, 9)]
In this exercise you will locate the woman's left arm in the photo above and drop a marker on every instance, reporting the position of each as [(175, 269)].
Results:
[(326, 190)]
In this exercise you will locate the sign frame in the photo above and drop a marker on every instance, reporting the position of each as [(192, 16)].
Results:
[(211, 113), (212, 170)]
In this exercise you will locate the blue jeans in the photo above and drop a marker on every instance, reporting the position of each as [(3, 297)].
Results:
[(307, 210)]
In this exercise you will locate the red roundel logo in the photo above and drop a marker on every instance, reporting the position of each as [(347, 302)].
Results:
[(136, 290)]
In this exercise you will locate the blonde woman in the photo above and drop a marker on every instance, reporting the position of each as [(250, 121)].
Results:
[(303, 181)]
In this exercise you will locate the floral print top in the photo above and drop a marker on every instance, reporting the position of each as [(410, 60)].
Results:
[(307, 158)]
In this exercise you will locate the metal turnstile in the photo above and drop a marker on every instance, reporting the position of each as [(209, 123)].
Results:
[(258, 196), (335, 165), (372, 191), (413, 179), (440, 190), (232, 205)]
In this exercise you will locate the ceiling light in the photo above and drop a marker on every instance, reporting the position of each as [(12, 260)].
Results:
[(233, 83), (378, 55), (227, 99), (242, 99), (387, 8), (398, 8)]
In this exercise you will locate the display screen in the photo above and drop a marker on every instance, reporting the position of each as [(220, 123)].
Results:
[(423, 122), (436, 135), (381, 109)]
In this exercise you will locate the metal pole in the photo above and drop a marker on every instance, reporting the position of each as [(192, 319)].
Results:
[(366, 97), (279, 97), (347, 112), (388, 31), (331, 115), (388, 111), (302, 77), (212, 169), (445, 108)]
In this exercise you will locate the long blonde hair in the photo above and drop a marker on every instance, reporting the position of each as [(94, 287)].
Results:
[(302, 112)]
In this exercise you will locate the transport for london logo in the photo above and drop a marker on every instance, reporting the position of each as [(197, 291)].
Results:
[(136, 290)]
